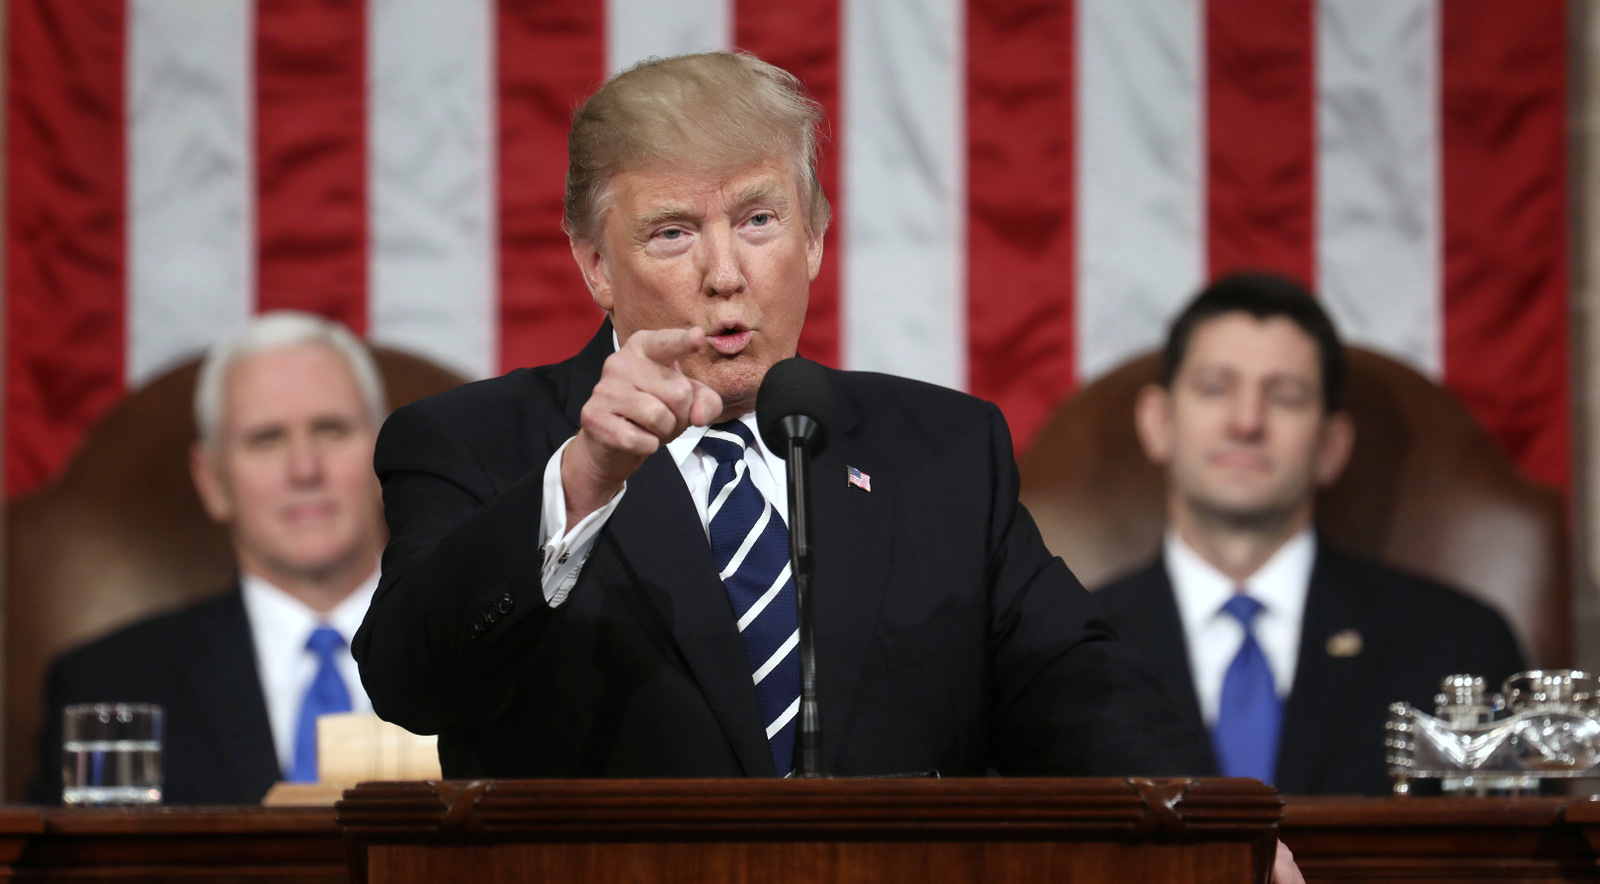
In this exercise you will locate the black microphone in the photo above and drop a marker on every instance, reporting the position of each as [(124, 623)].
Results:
[(793, 410)]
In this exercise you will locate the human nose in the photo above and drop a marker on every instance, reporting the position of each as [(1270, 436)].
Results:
[(1247, 413), (305, 461), (723, 273)]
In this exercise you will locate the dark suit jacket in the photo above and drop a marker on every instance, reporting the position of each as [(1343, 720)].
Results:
[(947, 635), (1412, 634), (199, 664)]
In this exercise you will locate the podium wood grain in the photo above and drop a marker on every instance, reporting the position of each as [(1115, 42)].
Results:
[(911, 830), (1389, 840)]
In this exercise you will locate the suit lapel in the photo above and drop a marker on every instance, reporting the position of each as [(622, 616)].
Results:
[(852, 533), (225, 692), (585, 373), (658, 532), (1323, 683), (1167, 648)]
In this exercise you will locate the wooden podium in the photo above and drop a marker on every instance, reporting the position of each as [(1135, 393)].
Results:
[(850, 830)]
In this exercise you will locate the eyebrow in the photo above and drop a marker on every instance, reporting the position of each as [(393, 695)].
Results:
[(759, 192), (762, 192), (662, 216)]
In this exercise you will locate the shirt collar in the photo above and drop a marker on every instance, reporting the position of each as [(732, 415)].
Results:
[(683, 447), (1280, 584), (275, 612)]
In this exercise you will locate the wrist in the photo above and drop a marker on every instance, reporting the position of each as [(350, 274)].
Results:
[(585, 485)]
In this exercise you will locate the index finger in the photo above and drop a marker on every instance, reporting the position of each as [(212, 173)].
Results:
[(665, 346)]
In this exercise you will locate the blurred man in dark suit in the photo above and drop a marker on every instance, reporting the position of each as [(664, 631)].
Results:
[(287, 411), (1285, 650)]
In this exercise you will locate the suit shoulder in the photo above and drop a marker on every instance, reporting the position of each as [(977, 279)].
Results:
[(1395, 585), (1131, 590), (875, 389), (1410, 598), (134, 643), (479, 399)]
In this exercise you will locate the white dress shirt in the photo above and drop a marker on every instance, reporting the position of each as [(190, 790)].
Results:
[(566, 550), (1213, 636), (279, 627)]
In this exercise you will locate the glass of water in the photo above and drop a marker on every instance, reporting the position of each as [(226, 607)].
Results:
[(111, 753)]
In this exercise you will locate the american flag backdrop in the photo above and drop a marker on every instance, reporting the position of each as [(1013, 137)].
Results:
[(1024, 190)]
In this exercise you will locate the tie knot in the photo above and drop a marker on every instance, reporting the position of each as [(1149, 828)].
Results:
[(727, 441), (324, 641), (1243, 609)]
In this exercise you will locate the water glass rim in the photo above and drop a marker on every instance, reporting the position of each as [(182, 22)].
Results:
[(117, 709)]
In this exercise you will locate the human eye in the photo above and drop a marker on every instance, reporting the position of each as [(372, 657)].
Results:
[(1210, 384), (1292, 396), (332, 429), (263, 439), (762, 219)]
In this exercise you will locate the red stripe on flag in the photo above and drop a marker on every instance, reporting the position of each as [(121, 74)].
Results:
[(1020, 317), (1503, 84), (802, 37), (1261, 136), (551, 56), (65, 229), (311, 156)]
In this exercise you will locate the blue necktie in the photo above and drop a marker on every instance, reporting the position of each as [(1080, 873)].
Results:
[(750, 543), (326, 694), (1250, 715)]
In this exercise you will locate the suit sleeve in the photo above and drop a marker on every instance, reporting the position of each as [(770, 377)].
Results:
[(1069, 697), (45, 785), (460, 601)]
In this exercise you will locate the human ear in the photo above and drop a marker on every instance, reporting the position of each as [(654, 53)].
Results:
[(595, 273), (214, 493), (1338, 441), (1152, 419)]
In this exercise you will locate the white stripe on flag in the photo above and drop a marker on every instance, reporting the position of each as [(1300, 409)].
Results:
[(1378, 196), (430, 168), (639, 29), (903, 274), (1140, 182), (191, 178)]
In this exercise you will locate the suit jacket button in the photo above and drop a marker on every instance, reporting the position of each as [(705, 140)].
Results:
[(477, 629), (505, 604), (490, 616)]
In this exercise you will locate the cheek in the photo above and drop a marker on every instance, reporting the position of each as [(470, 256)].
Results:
[(352, 470), (255, 483)]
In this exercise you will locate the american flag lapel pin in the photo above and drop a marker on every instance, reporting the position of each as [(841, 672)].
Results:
[(859, 479)]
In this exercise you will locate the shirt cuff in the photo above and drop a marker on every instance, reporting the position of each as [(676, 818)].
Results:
[(565, 550)]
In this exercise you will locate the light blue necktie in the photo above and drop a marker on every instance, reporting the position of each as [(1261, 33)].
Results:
[(750, 543), (1250, 716), (326, 694)]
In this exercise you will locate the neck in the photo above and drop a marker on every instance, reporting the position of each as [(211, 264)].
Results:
[(320, 589), (1238, 548)]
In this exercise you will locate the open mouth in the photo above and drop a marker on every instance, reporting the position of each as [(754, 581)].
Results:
[(731, 338)]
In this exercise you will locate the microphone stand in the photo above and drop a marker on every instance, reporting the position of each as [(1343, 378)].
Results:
[(800, 429)]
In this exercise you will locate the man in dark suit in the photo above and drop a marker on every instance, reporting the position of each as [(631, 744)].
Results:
[(287, 410), (550, 603), (1287, 651)]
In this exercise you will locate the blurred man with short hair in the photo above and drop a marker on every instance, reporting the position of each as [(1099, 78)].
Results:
[(1285, 650), (287, 411)]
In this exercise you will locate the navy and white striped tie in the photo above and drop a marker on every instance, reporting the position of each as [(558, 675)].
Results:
[(751, 545)]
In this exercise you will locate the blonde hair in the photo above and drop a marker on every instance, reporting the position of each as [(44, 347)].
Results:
[(718, 110)]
